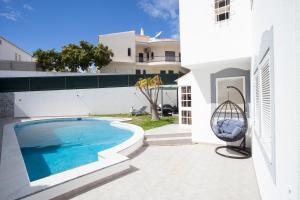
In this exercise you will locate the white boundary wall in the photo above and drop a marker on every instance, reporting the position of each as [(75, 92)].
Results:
[(83, 101)]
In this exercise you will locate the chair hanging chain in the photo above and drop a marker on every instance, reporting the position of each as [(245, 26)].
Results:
[(227, 93)]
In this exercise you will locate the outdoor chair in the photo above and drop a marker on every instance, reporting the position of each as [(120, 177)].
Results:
[(140, 111), (229, 123)]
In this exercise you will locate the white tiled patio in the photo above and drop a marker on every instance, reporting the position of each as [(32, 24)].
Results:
[(180, 172)]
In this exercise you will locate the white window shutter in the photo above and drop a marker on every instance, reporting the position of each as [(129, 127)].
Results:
[(257, 105), (266, 108), (266, 101)]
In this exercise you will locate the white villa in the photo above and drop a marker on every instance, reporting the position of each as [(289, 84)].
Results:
[(141, 54), (52, 123), (15, 58), (11, 52), (254, 46)]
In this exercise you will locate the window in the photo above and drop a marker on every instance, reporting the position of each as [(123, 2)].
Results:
[(16, 57), (179, 57), (152, 55), (223, 16), (222, 92), (170, 56), (186, 104), (19, 57), (144, 71), (221, 3), (186, 96), (141, 57), (129, 51), (171, 72), (222, 10), (186, 117), (264, 111), (0, 42), (137, 71), (162, 71)]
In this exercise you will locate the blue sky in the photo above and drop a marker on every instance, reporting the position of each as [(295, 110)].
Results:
[(47, 24)]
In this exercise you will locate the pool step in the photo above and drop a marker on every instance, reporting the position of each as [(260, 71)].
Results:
[(168, 139)]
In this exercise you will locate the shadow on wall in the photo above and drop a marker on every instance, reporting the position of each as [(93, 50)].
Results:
[(81, 102), (230, 73)]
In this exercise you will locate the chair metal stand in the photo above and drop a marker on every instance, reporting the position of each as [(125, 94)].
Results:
[(242, 150)]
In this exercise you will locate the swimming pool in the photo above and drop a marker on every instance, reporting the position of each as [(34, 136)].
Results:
[(55, 145)]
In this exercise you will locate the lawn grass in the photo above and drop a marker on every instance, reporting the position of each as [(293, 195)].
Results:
[(144, 121)]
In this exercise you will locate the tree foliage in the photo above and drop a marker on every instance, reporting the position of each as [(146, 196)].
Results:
[(87, 55), (74, 57), (70, 56), (102, 56), (150, 88), (48, 60)]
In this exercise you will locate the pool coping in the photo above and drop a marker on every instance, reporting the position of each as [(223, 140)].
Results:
[(14, 181)]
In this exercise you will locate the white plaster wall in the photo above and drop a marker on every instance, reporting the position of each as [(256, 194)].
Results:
[(203, 40), (157, 68), (281, 16), (201, 98), (297, 53), (119, 44), (82, 102), (7, 52), (129, 68), (119, 68)]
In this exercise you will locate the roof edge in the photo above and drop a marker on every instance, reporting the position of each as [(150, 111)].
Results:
[(15, 46)]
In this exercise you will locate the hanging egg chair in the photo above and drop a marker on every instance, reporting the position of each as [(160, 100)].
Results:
[(229, 123)]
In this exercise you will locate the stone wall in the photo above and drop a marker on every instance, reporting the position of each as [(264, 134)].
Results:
[(17, 65), (6, 105)]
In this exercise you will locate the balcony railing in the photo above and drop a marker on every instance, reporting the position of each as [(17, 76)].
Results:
[(145, 59)]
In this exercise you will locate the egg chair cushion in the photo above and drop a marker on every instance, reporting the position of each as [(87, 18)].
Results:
[(228, 128)]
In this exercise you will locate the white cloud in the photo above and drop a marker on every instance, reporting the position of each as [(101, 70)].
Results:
[(11, 15), (28, 7), (163, 9)]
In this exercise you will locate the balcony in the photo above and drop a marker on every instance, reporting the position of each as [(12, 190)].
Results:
[(158, 59)]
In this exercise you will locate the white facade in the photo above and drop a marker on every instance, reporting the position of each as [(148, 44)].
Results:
[(260, 40), (119, 44), (210, 48), (205, 40), (10, 52), (140, 54), (277, 29)]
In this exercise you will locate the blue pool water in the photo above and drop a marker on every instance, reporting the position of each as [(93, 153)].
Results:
[(52, 146)]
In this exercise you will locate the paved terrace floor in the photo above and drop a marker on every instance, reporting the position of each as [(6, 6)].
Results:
[(168, 129), (180, 172)]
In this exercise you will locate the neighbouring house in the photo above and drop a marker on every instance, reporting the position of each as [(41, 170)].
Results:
[(13, 57), (254, 46), (141, 54), (10, 51)]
